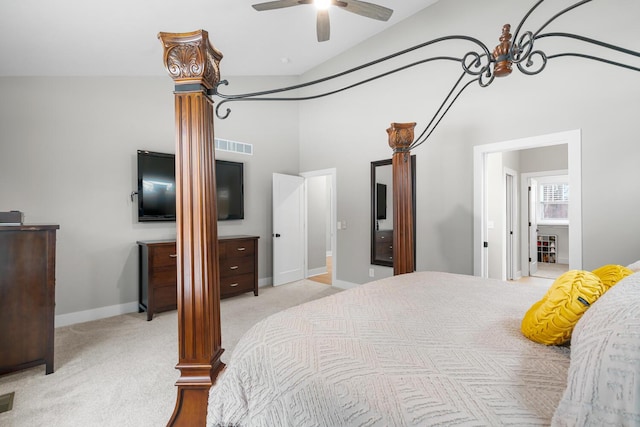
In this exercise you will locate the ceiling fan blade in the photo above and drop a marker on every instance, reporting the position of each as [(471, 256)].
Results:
[(322, 25), (369, 10), (278, 4)]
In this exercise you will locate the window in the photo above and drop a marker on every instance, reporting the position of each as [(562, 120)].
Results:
[(553, 206)]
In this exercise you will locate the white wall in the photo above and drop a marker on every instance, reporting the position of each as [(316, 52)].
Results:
[(347, 131), (68, 156), (51, 128)]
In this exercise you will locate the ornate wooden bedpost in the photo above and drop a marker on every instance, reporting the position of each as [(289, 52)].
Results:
[(194, 66), (400, 138)]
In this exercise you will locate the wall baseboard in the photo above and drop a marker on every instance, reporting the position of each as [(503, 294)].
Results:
[(95, 314), (264, 282), (132, 307), (316, 271), (341, 284)]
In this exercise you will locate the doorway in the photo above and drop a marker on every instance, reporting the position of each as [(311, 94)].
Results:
[(321, 256), (482, 222)]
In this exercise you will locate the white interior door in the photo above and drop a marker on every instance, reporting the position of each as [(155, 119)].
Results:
[(510, 226), (533, 227), (288, 228)]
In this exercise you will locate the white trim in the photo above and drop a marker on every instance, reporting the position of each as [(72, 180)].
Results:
[(95, 314), (341, 284), (316, 271), (573, 139), (513, 220), (265, 281)]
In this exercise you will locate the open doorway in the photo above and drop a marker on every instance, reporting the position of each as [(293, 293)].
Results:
[(547, 195), (321, 210), (491, 230)]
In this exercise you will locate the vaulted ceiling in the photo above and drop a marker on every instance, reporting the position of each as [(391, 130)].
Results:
[(118, 37)]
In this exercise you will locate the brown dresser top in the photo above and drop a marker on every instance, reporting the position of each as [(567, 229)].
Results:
[(238, 236), (29, 227)]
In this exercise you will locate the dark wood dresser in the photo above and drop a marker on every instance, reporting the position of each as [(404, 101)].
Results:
[(238, 265), (158, 275), (384, 246), (27, 296)]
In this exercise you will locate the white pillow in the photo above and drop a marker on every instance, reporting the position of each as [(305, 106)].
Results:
[(635, 266), (603, 382)]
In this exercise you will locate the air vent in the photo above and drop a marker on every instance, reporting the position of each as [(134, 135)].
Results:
[(234, 146), (6, 402)]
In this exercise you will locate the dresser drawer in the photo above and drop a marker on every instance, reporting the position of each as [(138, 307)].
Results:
[(234, 266), (163, 255), (163, 276), (236, 248), (166, 297), (237, 284)]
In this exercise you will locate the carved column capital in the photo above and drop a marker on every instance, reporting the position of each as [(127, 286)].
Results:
[(190, 59), (400, 136)]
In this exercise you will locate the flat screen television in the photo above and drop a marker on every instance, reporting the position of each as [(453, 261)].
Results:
[(157, 188), (230, 190), (381, 201)]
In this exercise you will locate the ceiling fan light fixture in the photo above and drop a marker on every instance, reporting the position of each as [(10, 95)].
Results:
[(322, 4)]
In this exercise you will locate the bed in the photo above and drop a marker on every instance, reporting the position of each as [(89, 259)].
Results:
[(433, 348), (193, 64)]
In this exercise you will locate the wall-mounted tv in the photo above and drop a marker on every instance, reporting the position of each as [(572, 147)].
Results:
[(381, 201), (230, 190), (157, 188)]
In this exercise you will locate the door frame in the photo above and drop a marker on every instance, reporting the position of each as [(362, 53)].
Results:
[(510, 229), (573, 139), (332, 173)]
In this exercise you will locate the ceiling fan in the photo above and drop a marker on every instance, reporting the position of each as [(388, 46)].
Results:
[(361, 8)]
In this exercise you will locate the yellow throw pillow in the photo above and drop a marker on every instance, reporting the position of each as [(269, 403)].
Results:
[(551, 320), (611, 274)]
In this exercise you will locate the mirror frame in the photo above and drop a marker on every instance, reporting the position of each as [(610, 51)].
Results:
[(374, 165)]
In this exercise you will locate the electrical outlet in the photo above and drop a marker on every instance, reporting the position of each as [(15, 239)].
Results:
[(372, 272)]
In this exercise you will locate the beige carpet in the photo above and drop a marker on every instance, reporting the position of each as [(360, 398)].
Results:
[(121, 372)]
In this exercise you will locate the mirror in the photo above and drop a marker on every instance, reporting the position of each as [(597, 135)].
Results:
[(382, 210)]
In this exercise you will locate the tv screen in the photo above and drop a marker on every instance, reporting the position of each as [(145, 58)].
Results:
[(157, 188), (381, 199), (230, 190)]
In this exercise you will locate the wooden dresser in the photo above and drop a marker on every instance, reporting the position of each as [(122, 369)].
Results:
[(238, 258), (27, 296), (384, 246), (238, 265)]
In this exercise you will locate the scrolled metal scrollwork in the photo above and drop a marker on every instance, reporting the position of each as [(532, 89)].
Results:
[(479, 65), (531, 67)]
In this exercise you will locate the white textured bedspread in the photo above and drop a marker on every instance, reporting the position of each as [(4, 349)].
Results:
[(419, 349)]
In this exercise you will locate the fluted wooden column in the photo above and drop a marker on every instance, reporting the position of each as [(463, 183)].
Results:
[(193, 64), (400, 138)]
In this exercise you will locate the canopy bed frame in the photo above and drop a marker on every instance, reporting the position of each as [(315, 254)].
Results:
[(194, 65)]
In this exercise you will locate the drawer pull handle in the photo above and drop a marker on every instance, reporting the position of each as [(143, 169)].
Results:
[(241, 249), (173, 256), (233, 285), (234, 267)]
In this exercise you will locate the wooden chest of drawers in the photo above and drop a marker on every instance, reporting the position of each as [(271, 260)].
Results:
[(238, 258), (27, 296), (238, 265), (158, 277)]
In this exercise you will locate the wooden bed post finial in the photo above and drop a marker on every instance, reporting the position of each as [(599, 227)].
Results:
[(193, 64), (501, 53), (400, 139)]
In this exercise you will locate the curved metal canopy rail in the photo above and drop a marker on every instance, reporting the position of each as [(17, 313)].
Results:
[(480, 65)]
